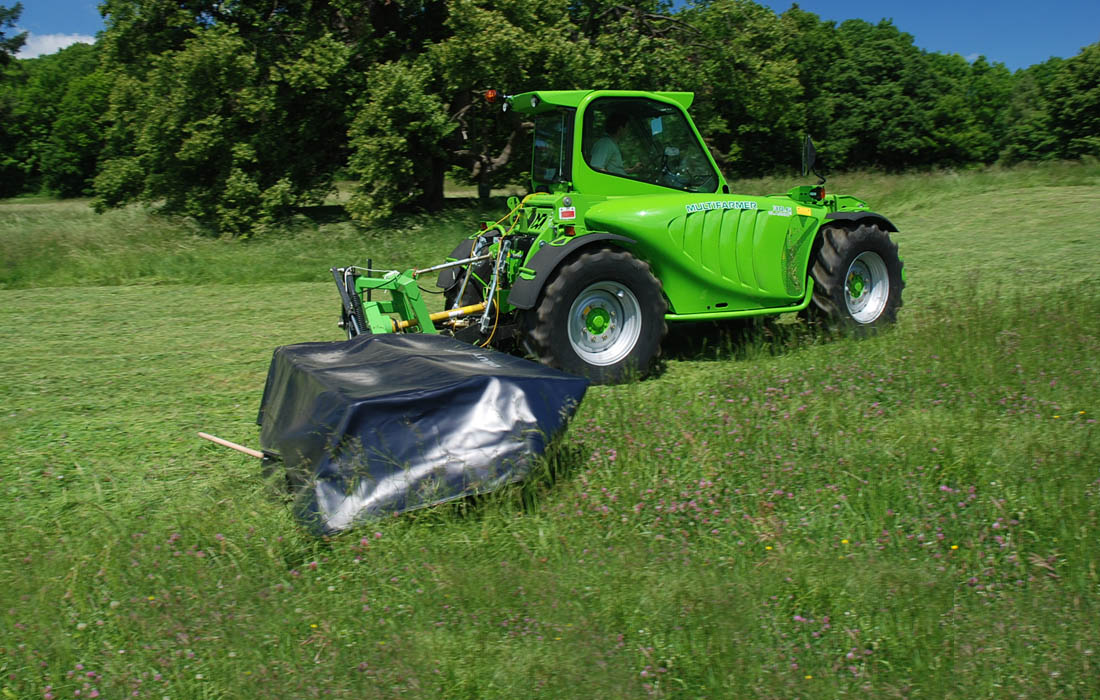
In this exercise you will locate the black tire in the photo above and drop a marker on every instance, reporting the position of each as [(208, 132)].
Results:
[(472, 295), (602, 316), (857, 278), (474, 292)]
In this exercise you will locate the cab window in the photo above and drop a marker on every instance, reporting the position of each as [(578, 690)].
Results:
[(551, 161), (644, 140)]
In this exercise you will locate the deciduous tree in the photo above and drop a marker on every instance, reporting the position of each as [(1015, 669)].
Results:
[(1075, 104), (10, 45)]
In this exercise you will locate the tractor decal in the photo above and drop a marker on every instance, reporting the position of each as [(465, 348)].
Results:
[(707, 206)]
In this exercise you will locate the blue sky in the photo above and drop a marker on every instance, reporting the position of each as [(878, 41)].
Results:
[(1017, 33)]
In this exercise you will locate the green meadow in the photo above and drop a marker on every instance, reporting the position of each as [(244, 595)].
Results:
[(777, 514)]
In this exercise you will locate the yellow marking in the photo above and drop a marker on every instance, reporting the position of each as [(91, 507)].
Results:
[(804, 211)]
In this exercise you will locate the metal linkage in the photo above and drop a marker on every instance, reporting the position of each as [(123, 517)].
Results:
[(479, 245), (456, 263), (502, 259)]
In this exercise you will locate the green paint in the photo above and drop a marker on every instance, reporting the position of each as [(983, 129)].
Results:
[(406, 302), (745, 313), (855, 285), (597, 320)]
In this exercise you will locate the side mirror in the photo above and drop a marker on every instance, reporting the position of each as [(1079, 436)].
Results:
[(809, 156), (809, 160)]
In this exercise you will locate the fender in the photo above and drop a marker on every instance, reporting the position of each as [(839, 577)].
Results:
[(525, 293), (861, 217)]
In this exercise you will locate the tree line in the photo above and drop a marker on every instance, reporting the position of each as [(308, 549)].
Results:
[(238, 114)]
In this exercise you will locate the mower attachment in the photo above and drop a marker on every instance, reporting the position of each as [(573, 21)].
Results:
[(361, 314), (387, 423)]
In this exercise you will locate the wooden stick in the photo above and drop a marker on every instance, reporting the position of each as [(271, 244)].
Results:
[(234, 446)]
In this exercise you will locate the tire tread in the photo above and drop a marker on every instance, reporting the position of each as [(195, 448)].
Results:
[(839, 245)]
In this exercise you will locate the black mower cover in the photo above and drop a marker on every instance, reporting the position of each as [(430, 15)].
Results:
[(382, 424)]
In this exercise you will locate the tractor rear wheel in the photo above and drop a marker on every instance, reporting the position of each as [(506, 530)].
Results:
[(857, 277), (602, 316)]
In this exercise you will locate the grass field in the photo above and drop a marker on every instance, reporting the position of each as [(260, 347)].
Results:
[(776, 515)]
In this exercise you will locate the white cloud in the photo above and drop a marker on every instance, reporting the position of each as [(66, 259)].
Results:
[(971, 57), (42, 44)]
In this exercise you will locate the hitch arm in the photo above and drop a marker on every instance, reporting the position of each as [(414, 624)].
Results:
[(445, 315)]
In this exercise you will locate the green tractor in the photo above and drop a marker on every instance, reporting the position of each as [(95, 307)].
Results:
[(630, 226)]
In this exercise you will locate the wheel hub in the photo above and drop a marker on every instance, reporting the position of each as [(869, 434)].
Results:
[(597, 320), (604, 323), (855, 285)]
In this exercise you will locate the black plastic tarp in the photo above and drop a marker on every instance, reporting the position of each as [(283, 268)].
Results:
[(382, 424)]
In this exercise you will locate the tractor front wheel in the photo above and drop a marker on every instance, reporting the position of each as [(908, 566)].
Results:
[(857, 277), (602, 316)]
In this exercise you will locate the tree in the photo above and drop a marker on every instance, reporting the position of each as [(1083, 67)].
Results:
[(220, 137), (815, 46), (425, 117), (1029, 135), (1074, 104), (749, 100), (989, 91), (965, 103), (397, 142), (69, 156), (880, 101), (10, 172), (10, 45), (880, 120), (238, 113), (54, 106)]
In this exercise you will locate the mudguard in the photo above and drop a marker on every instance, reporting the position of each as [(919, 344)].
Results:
[(525, 292), (859, 217)]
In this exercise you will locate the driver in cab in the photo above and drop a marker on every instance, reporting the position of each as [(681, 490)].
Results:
[(606, 155)]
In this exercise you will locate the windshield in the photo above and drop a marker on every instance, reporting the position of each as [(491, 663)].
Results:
[(550, 163), (641, 139)]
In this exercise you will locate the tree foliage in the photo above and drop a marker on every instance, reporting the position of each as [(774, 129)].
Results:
[(236, 114), (397, 141), (54, 104), (11, 179), (1075, 104), (233, 126), (10, 45)]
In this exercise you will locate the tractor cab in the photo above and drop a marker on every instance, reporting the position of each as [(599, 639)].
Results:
[(616, 143)]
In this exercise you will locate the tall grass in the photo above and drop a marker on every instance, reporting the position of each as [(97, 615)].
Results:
[(50, 244), (779, 514)]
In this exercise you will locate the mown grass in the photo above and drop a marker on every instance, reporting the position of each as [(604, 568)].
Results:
[(777, 515)]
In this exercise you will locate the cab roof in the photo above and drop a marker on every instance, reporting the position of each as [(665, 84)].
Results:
[(545, 100)]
